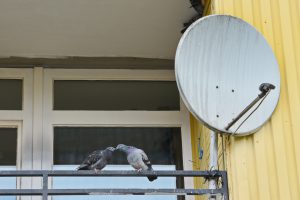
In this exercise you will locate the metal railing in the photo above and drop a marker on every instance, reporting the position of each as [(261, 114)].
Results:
[(45, 191)]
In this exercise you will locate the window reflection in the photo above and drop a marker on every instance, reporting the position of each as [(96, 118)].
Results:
[(162, 145)]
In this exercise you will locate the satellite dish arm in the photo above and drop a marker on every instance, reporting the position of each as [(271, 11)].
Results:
[(264, 88)]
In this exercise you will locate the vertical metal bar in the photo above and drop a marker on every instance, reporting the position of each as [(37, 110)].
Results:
[(45, 186), (213, 161), (225, 185)]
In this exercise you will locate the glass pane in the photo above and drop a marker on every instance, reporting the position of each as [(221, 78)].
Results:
[(162, 145), (8, 157), (73, 144), (8, 146), (11, 98), (115, 95)]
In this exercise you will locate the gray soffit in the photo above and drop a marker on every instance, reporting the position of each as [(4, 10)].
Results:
[(93, 28)]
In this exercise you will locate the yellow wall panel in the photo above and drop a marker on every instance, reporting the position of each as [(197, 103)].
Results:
[(200, 140), (266, 165)]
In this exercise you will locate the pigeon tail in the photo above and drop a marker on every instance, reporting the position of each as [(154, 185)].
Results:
[(151, 177), (83, 167)]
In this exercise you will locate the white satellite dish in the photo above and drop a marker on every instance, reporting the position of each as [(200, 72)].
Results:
[(221, 62)]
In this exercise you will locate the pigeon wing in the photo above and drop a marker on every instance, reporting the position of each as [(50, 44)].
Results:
[(148, 163), (92, 159), (146, 160)]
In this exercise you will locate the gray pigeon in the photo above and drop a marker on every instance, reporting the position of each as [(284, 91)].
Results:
[(137, 158), (97, 160)]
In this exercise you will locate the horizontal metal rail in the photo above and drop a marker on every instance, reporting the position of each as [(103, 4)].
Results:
[(35, 173), (45, 191), (133, 191)]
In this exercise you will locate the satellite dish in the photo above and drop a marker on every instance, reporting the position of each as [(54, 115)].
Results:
[(226, 71)]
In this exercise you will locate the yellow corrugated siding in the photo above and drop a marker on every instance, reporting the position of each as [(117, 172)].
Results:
[(266, 165), (201, 139)]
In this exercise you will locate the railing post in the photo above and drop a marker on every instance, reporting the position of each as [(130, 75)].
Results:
[(45, 186), (225, 185), (213, 162)]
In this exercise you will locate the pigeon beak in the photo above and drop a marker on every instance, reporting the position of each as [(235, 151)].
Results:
[(120, 146), (111, 149)]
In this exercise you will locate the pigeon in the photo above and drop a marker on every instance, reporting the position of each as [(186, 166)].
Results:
[(97, 160), (137, 158)]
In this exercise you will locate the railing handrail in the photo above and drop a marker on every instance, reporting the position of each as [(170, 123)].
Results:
[(164, 173), (45, 174)]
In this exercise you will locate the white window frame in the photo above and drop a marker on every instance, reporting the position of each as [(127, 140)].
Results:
[(22, 120), (25, 115), (52, 118)]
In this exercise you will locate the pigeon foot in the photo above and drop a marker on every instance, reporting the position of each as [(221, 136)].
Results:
[(138, 170)]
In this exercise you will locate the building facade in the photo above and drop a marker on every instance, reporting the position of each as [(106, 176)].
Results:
[(99, 73)]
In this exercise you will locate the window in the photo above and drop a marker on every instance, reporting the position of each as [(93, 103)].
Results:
[(16, 124), (40, 119), (84, 127), (11, 90), (8, 157), (8, 147), (115, 95), (73, 144)]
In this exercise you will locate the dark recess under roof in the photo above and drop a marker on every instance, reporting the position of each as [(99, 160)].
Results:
[(88, 63)]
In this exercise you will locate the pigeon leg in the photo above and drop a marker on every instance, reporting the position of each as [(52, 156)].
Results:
[(139, 170)]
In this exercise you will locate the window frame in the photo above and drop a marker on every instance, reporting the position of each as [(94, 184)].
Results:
[(23, 119), (53, 118)]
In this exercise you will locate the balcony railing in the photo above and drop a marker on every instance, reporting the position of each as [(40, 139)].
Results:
[(45, 191)]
